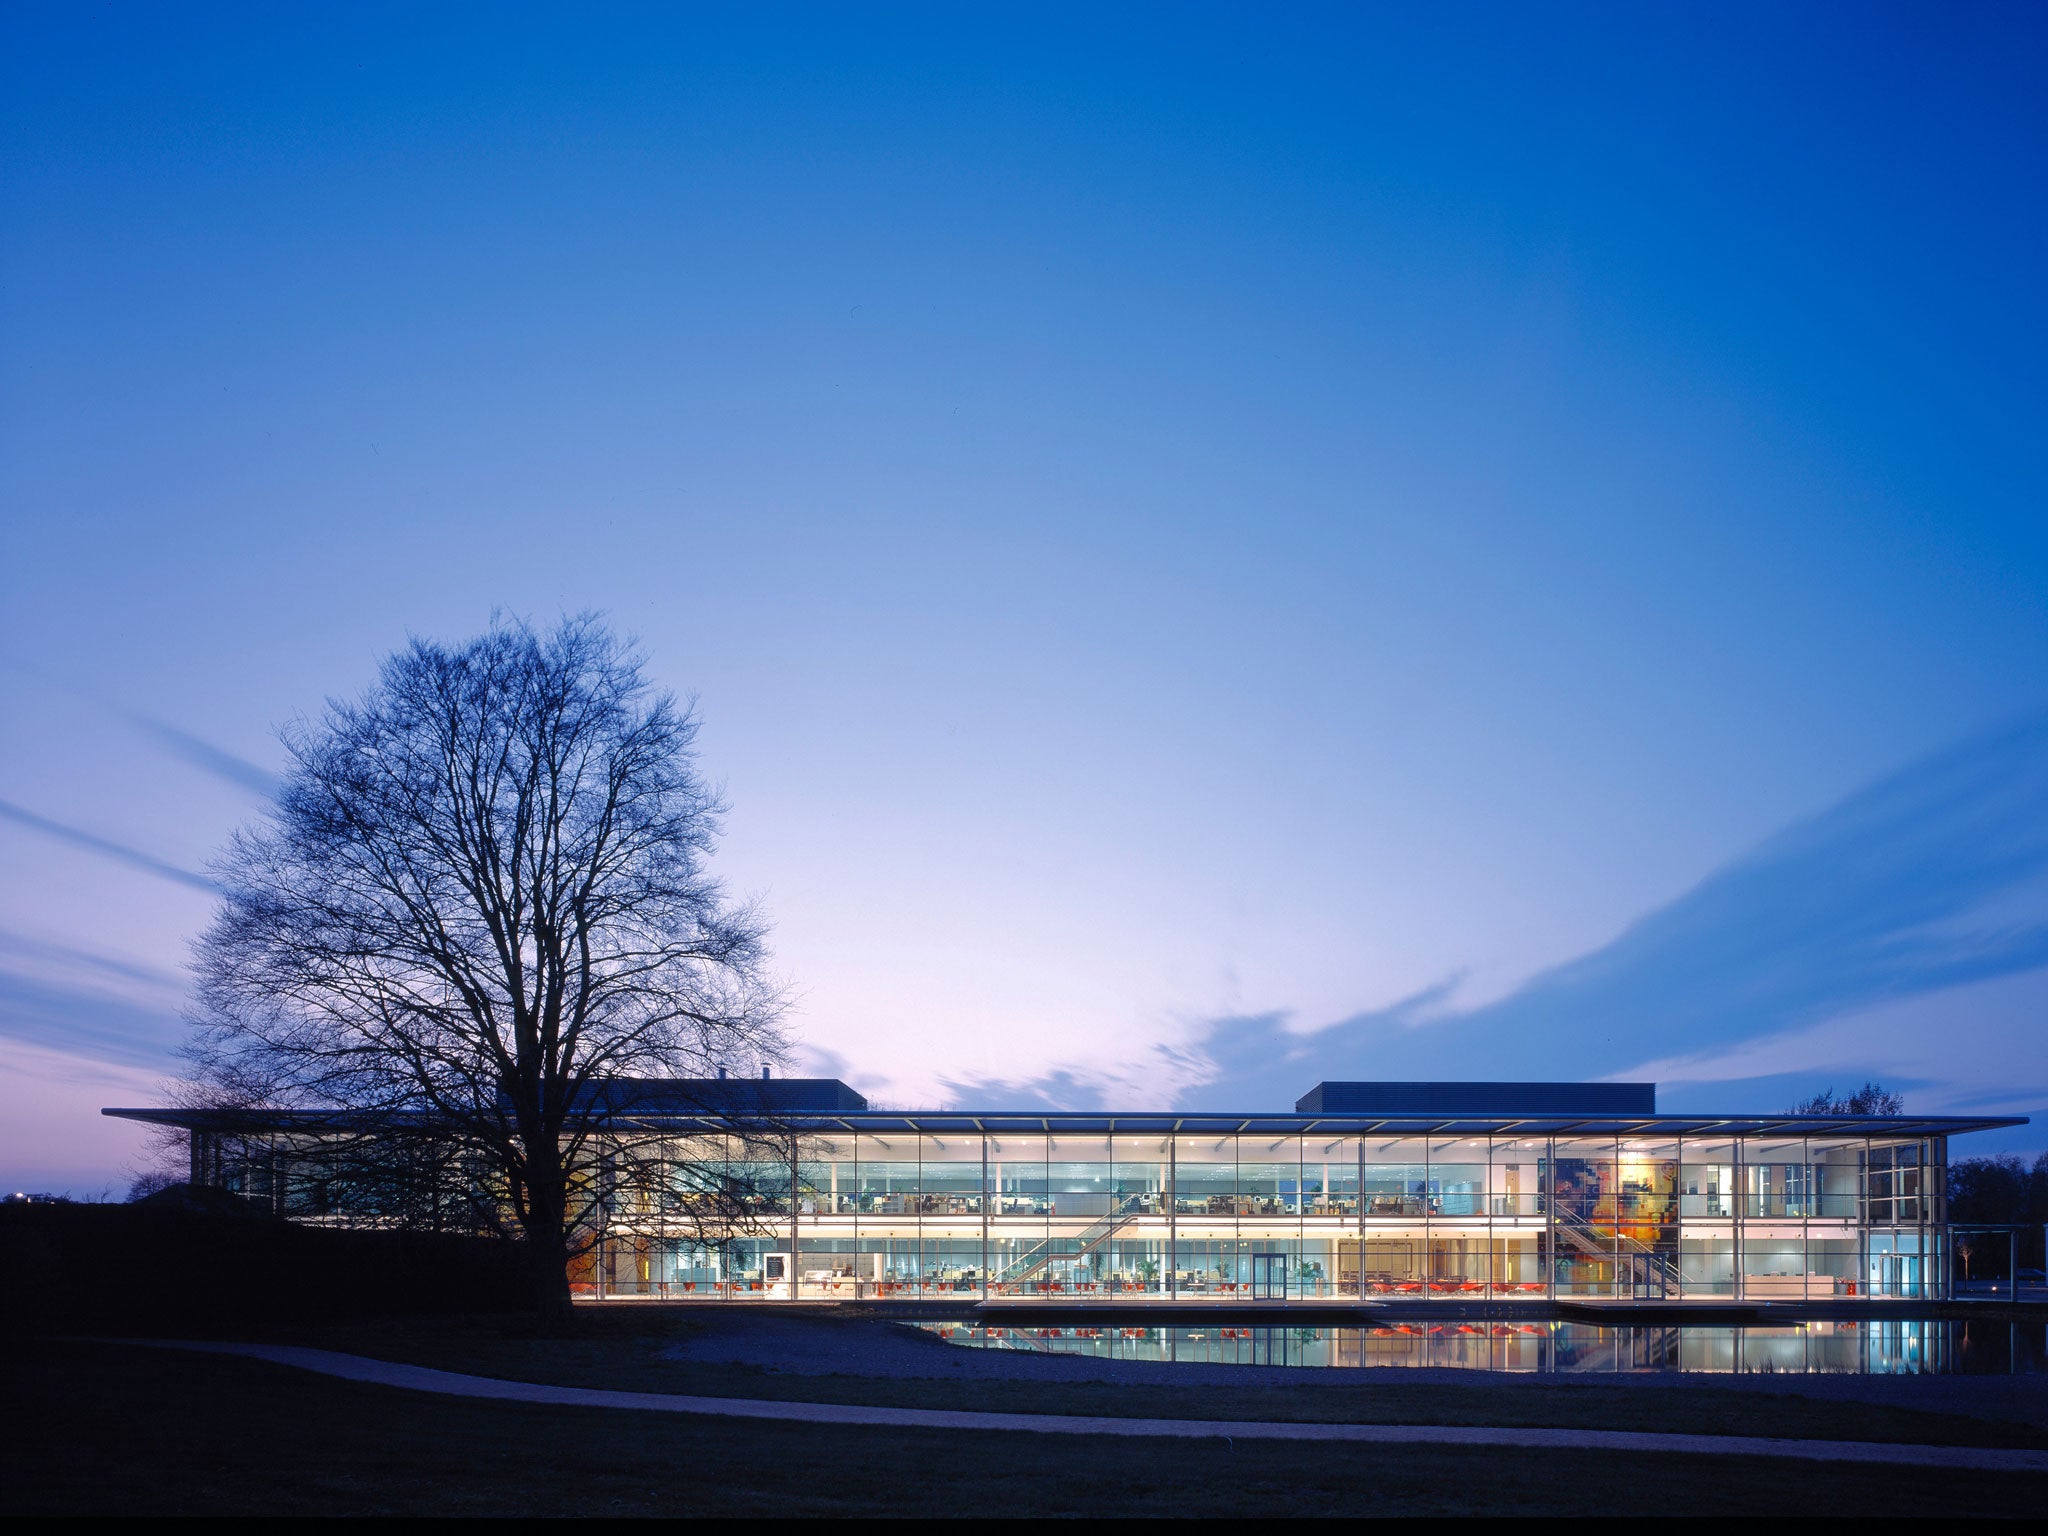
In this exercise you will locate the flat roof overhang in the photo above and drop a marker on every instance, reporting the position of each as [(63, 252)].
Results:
[(941, 1122)]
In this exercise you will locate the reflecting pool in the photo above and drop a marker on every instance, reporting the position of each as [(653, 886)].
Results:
[(1886, 1347)]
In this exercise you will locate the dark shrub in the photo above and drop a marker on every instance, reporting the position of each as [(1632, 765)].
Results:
[(176, 1263)]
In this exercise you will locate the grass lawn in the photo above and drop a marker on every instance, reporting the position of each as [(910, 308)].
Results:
[(621, 1349), (118, 1429)]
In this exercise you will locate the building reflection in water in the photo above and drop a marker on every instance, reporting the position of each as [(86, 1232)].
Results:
[(1886, 1347)]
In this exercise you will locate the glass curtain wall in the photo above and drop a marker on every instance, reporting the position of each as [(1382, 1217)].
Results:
[(1020, 1201), (1394, 1229), (1903, 1258), (1518, 1208), (1329, 1216), (887, 1254), (1776, 1185), (828, 1180), (1269, 1216), (1460, 1252), (1082, 1214), (1584, 1206), (1706, 1208), (1264, 1216), (1139, 1244), (1647, 1218), (1205, 1254), (949, 1214)]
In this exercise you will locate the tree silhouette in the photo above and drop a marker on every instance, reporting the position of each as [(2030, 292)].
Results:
[(1870, 1099), (482, 896)]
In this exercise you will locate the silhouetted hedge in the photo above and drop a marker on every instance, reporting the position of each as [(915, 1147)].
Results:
[(140, 1268)]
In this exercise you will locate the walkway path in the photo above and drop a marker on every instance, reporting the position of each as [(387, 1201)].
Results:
[(420, 1378)]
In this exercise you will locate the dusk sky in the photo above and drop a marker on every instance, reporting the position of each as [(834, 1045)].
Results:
[(1216, 547)]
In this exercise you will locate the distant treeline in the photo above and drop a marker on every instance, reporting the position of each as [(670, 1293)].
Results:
[(1870, 1099), (1999, 1190)]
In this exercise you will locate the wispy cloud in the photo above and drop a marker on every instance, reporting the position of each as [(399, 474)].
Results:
[(1157, 1077), (20, 952), (78, 837), (1056, 1090), (1931, 878), (204, 755), (87, 1022), (88, 1004)]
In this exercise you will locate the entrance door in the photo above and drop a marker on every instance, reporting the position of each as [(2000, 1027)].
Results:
[(1269, 1277), (1650, 1276)]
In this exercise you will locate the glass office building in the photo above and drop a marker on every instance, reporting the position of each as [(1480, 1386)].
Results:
[(1367, 1191)]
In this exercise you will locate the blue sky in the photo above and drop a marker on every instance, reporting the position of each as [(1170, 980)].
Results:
[(1217, 547)]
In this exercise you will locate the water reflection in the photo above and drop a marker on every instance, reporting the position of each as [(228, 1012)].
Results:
[(1887, 1347)]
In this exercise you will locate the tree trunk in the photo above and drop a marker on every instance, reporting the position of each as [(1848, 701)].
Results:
[(547, 1243), (550, 1278)]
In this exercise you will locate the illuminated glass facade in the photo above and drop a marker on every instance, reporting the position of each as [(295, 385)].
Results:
[(1302, 1208), (1069, 1210)]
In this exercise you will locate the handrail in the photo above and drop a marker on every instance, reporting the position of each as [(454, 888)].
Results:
[(1092, 1237), (1646, 1265)]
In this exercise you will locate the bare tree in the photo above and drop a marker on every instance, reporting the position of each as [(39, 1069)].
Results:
[(482, 897), (1870, 1099)]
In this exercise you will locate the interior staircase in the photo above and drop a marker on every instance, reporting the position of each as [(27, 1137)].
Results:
[(1653, 1273), (1093, 1236)]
